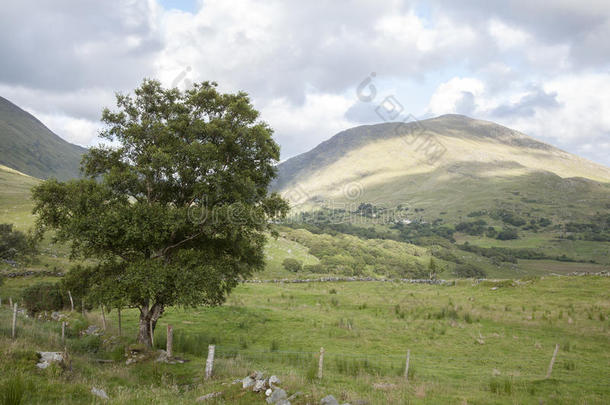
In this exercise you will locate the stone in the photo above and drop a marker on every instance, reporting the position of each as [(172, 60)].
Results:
[(329, 400), (208, 396), (274, 380), (46, 358), (283, 402), (495, 372), (259, 385), (98, 392), (91, 331), (295, 396), (277, 396), (248, 382), (268, 392), (257, 375)]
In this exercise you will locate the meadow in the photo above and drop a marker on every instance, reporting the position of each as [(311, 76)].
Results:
[(475, 343)]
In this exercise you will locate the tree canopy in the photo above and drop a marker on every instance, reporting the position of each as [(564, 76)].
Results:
[(176, 209)]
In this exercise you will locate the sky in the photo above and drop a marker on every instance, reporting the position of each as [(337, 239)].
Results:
[(314, 68)]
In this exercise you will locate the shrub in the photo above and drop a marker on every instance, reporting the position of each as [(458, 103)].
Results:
[(292, 265), (469, 271), (315, 268), (43, 296), (13, 243), (508, 234)]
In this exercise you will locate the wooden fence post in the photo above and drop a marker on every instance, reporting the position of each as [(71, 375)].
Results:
[(103, 319), (321, 363), (209, 363), (63, 332), (407, 365), (550, 370), (14, 321), (10, 302), (71, 301), (169, 341), (119, 315)]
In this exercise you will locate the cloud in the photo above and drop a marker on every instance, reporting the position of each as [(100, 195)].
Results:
[(301, 62)]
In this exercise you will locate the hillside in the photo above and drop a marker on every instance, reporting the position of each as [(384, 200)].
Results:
[(28, 146), (452, 164)]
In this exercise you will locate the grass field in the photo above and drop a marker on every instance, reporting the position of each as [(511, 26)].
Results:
[(470, 343)]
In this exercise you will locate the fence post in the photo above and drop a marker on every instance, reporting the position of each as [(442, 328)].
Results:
[(119, 315), (550, 370), (169, 341), (63, 332), (103, 318), (10, 302), (209, 363), (407, 365), (321, 363), (71, 301), (14, 321)]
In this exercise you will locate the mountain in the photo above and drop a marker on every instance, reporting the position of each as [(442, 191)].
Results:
[(28, 146), (450, 165)]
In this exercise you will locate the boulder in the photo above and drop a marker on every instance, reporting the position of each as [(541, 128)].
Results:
[(98, 392), (208, 396), (248, 382), (46, 358), (329, 400), (277, 396), (259, 385), (274, 380)]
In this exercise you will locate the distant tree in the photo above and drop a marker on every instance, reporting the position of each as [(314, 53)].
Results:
[(469, 271), (292, 265), (174, 214), (14, 243), (508, 234), (491, 232), (433, 268)]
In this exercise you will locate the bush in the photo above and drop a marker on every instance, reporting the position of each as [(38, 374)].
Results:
[(292, 265), (469, 271), (14, 243), (43, 296), (315, 268), (508, 234)]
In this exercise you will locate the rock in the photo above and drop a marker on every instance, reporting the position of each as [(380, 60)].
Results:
[(274, 380), (295, 396), (269, 392), (92, 330), (277, 396), (257, 375), (329, 400), (259, 385), (248, 382), (46, 358), (98, 392), (208, 396), (495, 372)]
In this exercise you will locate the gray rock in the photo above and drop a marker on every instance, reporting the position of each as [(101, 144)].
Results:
[(257, 375), (274, 380), (46, 358), (295, 396), (329, 400), (248, 382), (259, 385), (92, 330), (283, 402), (277, 396), (208, 396), (98, 392)]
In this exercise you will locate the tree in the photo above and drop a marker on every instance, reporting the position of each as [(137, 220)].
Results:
[(176, 212), (292, 265), (433, 268), (14, 243)]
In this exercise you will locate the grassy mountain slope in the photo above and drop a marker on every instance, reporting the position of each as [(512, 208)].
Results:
[(483, 165), (30, 147)]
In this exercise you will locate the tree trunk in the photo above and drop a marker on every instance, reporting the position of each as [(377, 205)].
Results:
[(148, 322)]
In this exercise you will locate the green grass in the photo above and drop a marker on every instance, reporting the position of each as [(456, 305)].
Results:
[(468, 342)]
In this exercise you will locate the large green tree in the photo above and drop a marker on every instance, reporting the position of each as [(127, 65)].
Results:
[(176, 210)]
